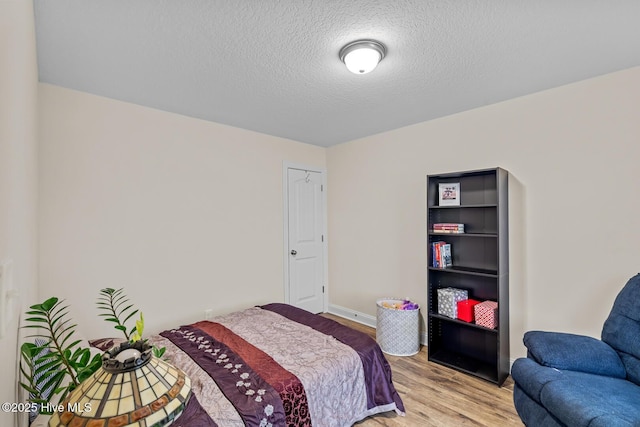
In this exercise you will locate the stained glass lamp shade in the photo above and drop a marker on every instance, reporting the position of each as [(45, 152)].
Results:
[(132, 388)]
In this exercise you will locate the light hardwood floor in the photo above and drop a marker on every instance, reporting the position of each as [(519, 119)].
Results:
[(437, 396)]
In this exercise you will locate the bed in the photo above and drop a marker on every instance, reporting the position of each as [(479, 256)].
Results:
[(277, 365)]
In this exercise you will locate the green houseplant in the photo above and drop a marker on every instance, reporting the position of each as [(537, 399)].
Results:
[(117, 309), (55, 363)]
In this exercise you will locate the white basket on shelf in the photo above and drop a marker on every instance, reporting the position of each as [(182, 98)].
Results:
[(397, 331)]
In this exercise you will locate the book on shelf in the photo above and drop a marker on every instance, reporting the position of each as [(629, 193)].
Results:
[(445, 254), (446, 227), (441, 254), (435, 254)]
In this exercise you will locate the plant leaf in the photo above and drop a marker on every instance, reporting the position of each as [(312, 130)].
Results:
[(46, 364), (28, 348), (64, 340), (36, 319), (84, 358), (59, 305), (73, 344), (46, 308), (36, 313), (29, 388), (130, 316), (115, 305), (53, 380), (159, 352), (56, 319), (90, 368)]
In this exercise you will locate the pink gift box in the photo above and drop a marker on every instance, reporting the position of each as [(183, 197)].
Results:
[(486, 314)]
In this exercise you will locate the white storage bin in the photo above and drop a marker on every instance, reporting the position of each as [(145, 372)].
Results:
[(397, 331)]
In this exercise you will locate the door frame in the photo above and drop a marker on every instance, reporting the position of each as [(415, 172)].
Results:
[(285, 246)]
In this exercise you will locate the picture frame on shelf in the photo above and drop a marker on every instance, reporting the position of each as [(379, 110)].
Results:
[(449, 194)]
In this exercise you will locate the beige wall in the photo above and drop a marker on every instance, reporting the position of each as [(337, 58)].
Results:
[(185, 214), (162, 205), (18, 176), (573, 157)]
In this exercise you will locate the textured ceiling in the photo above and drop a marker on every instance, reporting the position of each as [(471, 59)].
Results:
[(272, 66)]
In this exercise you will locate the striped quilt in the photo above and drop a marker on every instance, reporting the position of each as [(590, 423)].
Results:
[(277, 365)]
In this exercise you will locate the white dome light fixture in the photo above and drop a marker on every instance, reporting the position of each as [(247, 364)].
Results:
[(362, 56)]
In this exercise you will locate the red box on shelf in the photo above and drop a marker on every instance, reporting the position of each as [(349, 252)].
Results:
[(487, 314), (465, 309)]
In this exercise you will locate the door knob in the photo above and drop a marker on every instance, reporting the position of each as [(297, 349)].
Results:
[(293, 252)]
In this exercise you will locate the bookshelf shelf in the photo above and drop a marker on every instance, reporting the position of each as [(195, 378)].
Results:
[(466, 270), (466, 206), (435, 233), (463, 324), (480, 259)]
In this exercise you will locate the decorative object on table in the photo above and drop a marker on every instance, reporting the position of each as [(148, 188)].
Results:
[(486, 314), (448, 301), (466, 311), (132, 388), (56, 363), (398, 326), (449, 194), (106, 344), (448, 227)]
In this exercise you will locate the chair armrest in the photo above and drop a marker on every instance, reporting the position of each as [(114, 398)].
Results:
[(574, 353)]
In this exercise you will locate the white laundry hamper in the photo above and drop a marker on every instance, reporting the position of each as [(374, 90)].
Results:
[(397, 331)]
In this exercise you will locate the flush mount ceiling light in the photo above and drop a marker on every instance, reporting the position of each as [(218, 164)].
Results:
[(362, 56)]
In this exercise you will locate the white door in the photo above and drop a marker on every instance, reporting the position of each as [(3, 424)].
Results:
[(305, 251)]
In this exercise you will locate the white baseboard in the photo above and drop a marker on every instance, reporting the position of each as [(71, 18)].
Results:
[(364, 319), (356, 316)]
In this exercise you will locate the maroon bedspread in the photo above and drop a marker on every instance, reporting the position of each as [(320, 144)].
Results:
[(376, 368), (261, 391)]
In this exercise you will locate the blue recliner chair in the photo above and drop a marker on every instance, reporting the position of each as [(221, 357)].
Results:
[(573, 380)]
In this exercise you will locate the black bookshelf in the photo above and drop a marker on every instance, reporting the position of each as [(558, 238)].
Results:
[(480, 258)]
